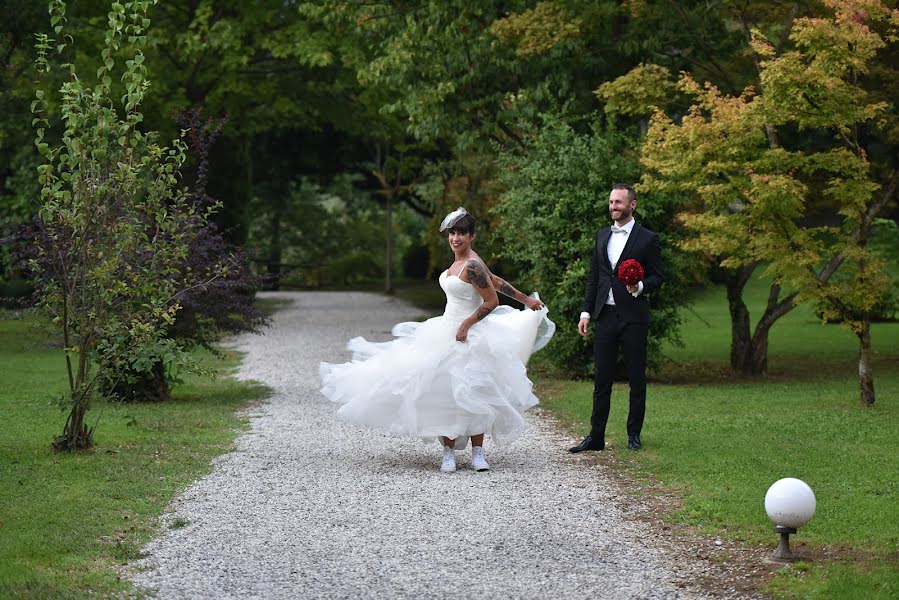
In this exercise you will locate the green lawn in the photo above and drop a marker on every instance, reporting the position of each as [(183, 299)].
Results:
[(797, 341), (67, 520), (722, 440)]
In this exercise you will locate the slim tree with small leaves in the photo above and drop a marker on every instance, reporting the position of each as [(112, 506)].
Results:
[(114, 225)]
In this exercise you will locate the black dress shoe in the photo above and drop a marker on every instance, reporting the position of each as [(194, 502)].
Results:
[(633, 442), (589, 443)]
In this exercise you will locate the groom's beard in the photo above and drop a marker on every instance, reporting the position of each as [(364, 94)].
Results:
[(624, 216)]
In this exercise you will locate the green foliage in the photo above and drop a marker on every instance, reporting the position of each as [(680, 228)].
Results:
[(18, 156), (327, 235), (257, 61), (638, 93), (816, 84), (538, 29), (465, 73), (884, 248), (469, 180), (114, 225), (435, 68), (274, 75), (556, 200), (461, 75)]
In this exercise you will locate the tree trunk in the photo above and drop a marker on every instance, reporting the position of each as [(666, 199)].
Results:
[(865, 372), (274, 249), (740, 336), (757, 363), (752, 358), (388, 279), (75, 434)]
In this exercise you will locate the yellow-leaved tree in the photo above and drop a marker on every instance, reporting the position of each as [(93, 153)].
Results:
[(782, 175)]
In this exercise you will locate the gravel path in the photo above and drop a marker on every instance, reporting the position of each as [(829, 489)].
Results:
[(308, 507)]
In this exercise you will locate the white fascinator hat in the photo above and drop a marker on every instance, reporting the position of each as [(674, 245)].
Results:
[(452, 218)]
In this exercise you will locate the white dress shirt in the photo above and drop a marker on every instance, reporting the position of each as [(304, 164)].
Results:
[(617, 241)]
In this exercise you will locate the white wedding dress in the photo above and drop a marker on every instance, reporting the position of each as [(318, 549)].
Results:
[(426, 384)]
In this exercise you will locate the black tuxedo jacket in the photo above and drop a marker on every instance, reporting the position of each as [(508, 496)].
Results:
[(642, 245)]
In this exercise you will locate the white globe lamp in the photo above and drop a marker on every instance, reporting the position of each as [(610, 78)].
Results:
[(790, 503)]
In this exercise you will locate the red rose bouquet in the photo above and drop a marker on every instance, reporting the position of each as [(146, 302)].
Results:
[(630, 272)]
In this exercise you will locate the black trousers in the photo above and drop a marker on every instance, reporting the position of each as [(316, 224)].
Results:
[(613, 332)]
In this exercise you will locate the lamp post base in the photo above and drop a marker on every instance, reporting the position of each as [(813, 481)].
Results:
[(783, 552)]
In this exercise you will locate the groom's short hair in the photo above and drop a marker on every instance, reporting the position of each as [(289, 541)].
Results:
[(631, 192)]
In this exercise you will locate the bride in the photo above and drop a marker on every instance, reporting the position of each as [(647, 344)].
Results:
[(452, 377)]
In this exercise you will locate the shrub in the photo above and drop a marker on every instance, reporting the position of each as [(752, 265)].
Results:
[(219, 287)]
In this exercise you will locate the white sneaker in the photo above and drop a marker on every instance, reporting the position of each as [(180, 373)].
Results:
[(478, 462), (449, 460)]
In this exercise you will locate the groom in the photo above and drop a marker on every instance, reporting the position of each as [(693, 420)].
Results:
[(621, 313)]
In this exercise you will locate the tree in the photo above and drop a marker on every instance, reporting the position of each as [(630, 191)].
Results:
[(392, 170), (473, 78), (113, 224), (272, 74), (455, 84), (755, 184)]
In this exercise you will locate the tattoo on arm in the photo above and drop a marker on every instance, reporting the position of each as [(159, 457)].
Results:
[(477, 273), (482, 312), (505, 288)]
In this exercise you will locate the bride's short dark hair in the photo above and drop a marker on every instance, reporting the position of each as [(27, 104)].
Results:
[(465, 224)]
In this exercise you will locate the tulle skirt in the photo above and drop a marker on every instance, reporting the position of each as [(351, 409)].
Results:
[(426, 384)]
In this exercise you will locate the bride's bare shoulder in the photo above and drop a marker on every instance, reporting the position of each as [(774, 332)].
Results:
[(475, 272)]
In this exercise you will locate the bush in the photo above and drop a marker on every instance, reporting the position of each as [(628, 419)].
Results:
[(219, 287), (219, 299), (351, 268)]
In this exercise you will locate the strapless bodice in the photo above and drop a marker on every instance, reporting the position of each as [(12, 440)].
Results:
[(461, 297)]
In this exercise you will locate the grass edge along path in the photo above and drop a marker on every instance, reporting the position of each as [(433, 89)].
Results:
[(69, 521), (718, 441), (717, 448)]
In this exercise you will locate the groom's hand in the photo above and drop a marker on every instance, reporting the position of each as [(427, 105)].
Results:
[(582, 326)]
